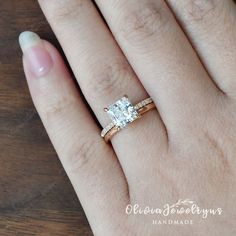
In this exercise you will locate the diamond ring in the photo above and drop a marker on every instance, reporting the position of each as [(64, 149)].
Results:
[(122, 112)]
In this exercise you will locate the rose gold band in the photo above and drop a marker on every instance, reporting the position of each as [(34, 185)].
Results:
[(142, 107)]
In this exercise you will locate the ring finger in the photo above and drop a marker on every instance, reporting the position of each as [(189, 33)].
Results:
[(104, 75)]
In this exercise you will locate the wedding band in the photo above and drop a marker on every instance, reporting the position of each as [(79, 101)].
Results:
[(122, 112)]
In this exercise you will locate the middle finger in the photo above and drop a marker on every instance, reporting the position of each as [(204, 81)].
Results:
[(164, 60)]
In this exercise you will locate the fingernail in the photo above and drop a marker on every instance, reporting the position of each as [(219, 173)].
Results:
[(35, 54)]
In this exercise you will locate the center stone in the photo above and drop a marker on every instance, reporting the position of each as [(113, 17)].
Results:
[(122, 112)]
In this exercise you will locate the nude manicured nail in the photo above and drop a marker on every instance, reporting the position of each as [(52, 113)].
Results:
[(35, 54)]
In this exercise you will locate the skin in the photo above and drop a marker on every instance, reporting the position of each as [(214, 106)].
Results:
[(182, 54)]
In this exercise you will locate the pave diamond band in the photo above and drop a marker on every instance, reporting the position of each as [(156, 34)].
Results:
[(122, 112)]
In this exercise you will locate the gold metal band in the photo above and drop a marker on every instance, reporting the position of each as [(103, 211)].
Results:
[(142, 107)]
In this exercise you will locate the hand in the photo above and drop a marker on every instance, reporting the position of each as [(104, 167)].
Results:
[(182, 55)]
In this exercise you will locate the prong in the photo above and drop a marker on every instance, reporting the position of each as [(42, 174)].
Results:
[(105, 109)]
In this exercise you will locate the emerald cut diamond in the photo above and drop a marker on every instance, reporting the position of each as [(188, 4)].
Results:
[(122, 112)]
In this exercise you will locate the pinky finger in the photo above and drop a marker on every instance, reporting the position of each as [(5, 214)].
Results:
[(90, 163)]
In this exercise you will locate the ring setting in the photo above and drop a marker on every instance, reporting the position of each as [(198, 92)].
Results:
[(122, 113)]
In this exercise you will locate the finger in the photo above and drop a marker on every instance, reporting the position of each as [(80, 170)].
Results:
[(211, 27), (163, 59), (90, 164), (97, 63), (104, 76)]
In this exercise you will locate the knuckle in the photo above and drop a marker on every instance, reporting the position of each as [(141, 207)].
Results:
[(141, 24), (198, 10), (219, 153), (61, 9), (61, 106), (110, 78), (82, 155)]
